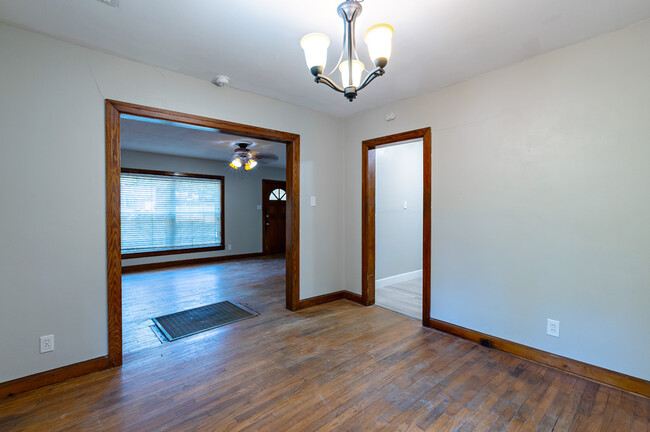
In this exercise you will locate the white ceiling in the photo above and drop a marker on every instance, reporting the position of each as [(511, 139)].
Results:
[(178, 139), (256, 42)]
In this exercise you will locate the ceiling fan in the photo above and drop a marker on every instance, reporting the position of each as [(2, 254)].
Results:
[(247, 158)]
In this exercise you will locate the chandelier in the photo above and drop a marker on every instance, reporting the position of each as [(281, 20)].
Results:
[(378, 39)]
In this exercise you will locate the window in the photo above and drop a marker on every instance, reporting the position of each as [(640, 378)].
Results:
[(278, 195), (165, 213)]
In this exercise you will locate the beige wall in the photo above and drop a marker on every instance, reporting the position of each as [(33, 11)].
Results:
[(541, 172), (52, 230)]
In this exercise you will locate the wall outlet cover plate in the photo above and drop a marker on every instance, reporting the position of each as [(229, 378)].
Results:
[(47, 343), (553, 328)]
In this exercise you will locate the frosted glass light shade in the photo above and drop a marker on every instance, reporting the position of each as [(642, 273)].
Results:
[(236, 163), (250, 164), (315, 46), (357, 70), (379, 40)]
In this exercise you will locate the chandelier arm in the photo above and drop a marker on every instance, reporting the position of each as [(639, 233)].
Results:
[(353, 31), (327, 81), (342, 49), (350, 30), (377, 72)]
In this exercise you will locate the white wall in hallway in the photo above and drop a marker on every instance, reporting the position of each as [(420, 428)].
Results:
[(398, 230)]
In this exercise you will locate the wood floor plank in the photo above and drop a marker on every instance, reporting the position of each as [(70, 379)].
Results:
[(334, 367), (402, 297)]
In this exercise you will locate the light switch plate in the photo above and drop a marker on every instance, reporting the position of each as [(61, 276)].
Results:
[(313, 201)]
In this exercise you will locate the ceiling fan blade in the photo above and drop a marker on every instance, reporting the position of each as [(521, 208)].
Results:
[(266, 156)]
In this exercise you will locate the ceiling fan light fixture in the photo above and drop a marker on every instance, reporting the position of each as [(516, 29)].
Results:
[(250, 164), (243, 156), (236, 163)]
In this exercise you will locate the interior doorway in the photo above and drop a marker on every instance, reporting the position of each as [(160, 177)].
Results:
[(398, 227), (115, 111), (274, 208), (369, 213)]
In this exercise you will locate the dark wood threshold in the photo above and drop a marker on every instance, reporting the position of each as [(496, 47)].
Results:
[(326, 298), (575, 367), (182, 263), (53, 376)]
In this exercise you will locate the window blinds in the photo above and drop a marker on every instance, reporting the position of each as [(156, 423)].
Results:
[(162, 212)]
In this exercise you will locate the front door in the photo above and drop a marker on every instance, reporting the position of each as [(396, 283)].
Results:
[(274, 199)]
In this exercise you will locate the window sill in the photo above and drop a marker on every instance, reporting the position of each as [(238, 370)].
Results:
[(171, 251)]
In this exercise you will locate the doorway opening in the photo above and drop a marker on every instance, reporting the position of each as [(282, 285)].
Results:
[(371, 213), (398, 227), (179, 233)]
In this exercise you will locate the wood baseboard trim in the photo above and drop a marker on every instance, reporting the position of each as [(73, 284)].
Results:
[(327, 298), (347, 295), (575, 367), (53, 376), (182, 263)]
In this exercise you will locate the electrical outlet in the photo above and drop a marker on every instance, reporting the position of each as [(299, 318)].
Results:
[(312, 201), (47, 343), (406, 205), (553, 328), (229, 247)]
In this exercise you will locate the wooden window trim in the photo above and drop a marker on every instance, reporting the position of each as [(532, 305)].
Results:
[(171, 174), (182, 250)]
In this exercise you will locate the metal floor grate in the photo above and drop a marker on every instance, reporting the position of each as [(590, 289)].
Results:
[(186, 323)]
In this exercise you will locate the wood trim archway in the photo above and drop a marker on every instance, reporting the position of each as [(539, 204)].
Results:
[(113, 164), (368, 166)]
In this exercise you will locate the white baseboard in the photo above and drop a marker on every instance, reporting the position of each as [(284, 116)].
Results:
[(380, 283)]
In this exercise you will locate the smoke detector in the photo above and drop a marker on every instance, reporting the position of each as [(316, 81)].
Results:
[(221, 81), (112, 3)]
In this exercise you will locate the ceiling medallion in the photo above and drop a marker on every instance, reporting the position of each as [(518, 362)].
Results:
[(378, 39)]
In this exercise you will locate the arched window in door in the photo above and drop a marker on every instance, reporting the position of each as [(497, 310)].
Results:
[(278, 195)]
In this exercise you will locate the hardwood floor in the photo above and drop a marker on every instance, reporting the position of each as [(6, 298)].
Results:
[(151, 294), (334, 367), (403, 297)]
